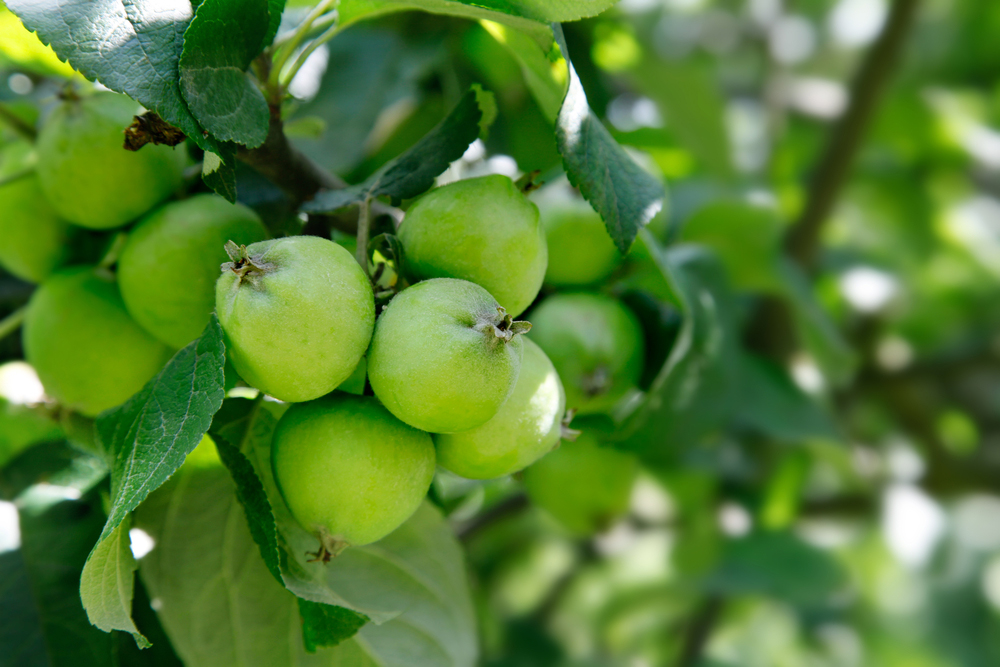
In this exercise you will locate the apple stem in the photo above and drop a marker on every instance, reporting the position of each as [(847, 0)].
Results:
[(506, 328), (243, 265)]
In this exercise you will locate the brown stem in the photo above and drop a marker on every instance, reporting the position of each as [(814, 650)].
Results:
[(835, 164), (286, 166), (699, 630), (771, 330)]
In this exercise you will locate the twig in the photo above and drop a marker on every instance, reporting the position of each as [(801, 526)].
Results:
[(18, 125), (771, 330), (699, 630), (834, 166), (364, 226), (10, 324), (286, 167), (505, 508)]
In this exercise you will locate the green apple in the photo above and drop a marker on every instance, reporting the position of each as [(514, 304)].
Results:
[(580, 251), (348, 470), (169, 266), (596, 345), (89, 353), (86, 174), (583, 485), (482, 230), (33, 238), (298, 314), (445, 355), (527, 426)]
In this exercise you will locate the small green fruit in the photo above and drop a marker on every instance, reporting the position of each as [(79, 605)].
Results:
[(596, 345), (580, 251), (89, 178), (445, 356), (298, 314), (348, 470), (482, 230), (33, 238), (528, 425), (89, 354), (170, 263), (583, 485)]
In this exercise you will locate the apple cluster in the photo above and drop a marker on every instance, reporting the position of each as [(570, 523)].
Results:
[(446, 374)]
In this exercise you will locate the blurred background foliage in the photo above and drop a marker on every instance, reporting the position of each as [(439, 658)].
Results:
[(821, 468)]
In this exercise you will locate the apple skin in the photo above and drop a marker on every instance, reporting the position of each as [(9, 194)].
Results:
[(482, 230), (88, 352), (348, 470), (527, 426), (298, 328)]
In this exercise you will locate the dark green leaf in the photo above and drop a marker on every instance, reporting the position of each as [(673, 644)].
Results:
[(779, 565), (413, 172), (695, 392), (375, 68), (772, 404), (235, 424), (695, 111), (250, 493), (327, 625), (131, 47), (44, 620), (149, 436), (626, 196), (221, 41), (219, 173), (275, 8), (747, 239)]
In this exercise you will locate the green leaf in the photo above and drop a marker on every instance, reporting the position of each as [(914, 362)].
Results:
[(626, 196), (747, 239), (131, 47), (527, 15), (694, 109), (536, 66), (219, 174), (326, 625), (236, 423), (816, 329), (149, 435), (250, 493), (772, 404), (695, 391), (107, 580), (375, 69), (780, 565), (413, 172), (221, 41), (275, 8), (44, 620), (207, 573)]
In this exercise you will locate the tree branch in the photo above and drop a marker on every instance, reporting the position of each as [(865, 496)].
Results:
[(834, 166), (699, 630), (286, 166)]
